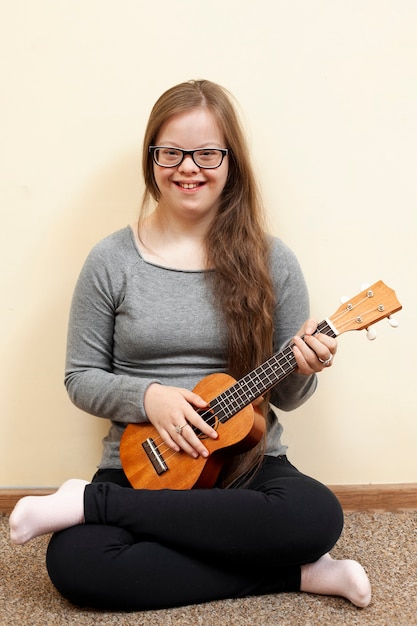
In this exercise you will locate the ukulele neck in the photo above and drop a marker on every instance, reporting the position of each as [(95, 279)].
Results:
[(261, 379)]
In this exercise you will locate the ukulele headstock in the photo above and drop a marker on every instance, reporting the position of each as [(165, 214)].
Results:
[(366, 308)]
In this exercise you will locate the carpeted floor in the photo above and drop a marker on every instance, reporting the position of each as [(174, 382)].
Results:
[(385, 543)]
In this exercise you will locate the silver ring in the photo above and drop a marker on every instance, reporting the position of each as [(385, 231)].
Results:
[(178, 429), (327, 361)]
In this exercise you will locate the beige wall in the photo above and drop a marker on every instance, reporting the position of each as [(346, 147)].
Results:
[(329, 93)]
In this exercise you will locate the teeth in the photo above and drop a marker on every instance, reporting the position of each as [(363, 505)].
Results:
[(188, 185)]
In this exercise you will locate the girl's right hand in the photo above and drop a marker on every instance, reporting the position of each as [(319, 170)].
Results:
[(171, 410)]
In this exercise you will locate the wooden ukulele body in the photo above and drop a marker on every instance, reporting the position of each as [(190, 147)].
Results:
[(236, 435)]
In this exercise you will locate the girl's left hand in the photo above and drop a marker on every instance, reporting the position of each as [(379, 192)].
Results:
[(313, 353)]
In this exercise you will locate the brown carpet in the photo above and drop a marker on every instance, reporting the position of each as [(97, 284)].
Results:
[(385, 543)]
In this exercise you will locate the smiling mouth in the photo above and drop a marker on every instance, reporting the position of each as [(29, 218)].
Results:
[(189, 185)]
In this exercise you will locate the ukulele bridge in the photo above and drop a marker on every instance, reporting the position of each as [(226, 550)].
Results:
[(154, 456)]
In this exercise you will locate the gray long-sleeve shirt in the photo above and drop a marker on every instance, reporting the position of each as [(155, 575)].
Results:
[(133, 322)]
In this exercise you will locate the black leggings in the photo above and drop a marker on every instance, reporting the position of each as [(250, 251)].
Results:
[(145, 549)]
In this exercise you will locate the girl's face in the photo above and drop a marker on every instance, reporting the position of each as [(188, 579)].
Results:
[(189, 191)]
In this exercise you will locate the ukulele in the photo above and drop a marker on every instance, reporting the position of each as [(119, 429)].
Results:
[(150, 464)]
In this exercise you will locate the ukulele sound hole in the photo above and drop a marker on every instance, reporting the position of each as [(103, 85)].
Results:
[(210, 418)]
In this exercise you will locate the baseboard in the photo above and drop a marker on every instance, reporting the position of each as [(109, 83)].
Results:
[(396, 497), (9, 497)]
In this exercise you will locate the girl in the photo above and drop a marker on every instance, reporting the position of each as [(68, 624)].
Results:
[(195, 287)]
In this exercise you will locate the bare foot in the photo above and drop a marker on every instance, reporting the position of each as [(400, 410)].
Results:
[(38, 515), (344, 578)]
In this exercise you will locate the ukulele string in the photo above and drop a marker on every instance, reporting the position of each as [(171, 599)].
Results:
[(221, 408), (217, 411), (209, 417)]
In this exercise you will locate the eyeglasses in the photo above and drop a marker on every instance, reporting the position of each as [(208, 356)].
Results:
[(206, 158)]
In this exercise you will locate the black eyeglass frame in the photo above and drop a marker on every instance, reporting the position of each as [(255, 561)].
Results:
[(224, 152)]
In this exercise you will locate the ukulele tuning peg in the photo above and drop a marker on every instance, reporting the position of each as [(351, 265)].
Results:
[(392, 322), (364, 286), (344, 299), (370, 334)]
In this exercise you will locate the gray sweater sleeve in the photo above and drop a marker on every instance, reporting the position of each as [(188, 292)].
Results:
[(291, 312), (90, 377)]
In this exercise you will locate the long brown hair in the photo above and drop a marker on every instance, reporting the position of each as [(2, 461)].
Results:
[(237, 246)]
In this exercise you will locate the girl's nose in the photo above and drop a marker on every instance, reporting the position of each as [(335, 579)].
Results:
[(188, 165)]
